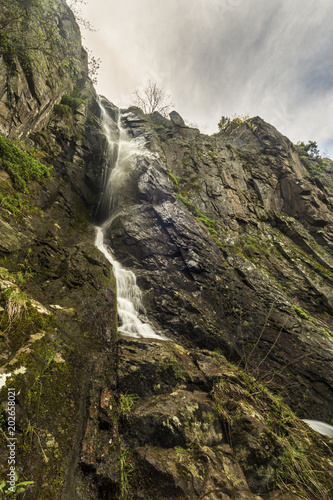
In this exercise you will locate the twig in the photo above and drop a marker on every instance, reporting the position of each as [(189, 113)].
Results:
[(259, 338), (274, 344)]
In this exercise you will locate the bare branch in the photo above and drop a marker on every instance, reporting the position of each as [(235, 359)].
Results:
[(152, 98), (93, 65), (76, 8)]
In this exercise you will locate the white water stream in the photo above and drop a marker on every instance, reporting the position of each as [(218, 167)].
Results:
[(320, 427), (122, 152)]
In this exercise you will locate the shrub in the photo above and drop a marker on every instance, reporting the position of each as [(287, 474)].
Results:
[(237, 119), (240, 118), (62, 110), (72, 102), (311, 148), (16, 304)]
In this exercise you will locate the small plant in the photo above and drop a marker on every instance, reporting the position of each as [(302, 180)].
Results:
[(19, 277), (127, 401), (125, 470), (175, 179), (62, 110), (240, 118), (295, 301), (11, 203), (299, 469), (325, 332), (237, 119), (311, 148), (16, 304), (18, 488)]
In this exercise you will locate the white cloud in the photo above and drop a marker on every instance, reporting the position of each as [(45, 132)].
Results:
[(267, 58)]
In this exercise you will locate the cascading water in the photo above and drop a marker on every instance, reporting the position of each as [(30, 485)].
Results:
[(321, 427), (121, 153)]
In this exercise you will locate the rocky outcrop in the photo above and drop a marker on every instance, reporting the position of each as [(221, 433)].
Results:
[(33, 80), (202, 428)]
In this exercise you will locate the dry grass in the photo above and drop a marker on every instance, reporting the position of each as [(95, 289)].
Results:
[(16, 305)]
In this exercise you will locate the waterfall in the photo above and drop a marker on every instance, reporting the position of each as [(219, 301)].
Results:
[(119, 154), (321, 427)]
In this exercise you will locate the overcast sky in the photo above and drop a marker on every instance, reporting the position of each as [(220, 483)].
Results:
[(272, 58)]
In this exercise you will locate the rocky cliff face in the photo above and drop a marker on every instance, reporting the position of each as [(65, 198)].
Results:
[(224, 239), (223, 232), (36, 73)]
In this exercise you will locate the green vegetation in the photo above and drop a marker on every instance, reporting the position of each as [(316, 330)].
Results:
[(62, 110), (31, 34), (42, 378), (301, 313), (21, 165), (325, 332), (252, 247), (193, 209), (304, 315), (125, 471), (68, 105), (287, 459), (237, 119), (126, 402), (19, 277), (175, 179), (16, 304), (12, 203), (18, 488), (312, 160), (311, 148), (298, 468), (72, 102)]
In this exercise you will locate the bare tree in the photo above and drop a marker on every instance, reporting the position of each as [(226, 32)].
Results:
[(152, 98)]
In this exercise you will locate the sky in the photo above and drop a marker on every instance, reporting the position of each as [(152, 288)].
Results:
[(267, 58)]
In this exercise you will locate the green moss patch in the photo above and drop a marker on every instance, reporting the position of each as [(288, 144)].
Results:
[(301, 313), (194, 210), (21, 166)]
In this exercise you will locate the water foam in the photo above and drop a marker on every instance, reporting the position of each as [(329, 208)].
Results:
[(122, 152)]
